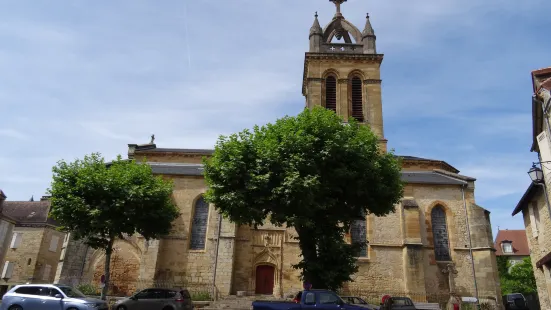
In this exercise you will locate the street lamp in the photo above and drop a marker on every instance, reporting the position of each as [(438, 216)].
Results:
[(536, 174)]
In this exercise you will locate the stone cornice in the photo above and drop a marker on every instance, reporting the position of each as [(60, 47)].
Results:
[(35, 225), (373, 58)]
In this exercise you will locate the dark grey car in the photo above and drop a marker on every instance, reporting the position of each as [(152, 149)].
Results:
[(157, 299), (48, 297)]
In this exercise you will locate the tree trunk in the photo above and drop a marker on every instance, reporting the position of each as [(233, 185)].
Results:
[(107, 270), (307, 244)]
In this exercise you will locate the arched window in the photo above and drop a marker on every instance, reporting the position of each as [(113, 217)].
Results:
[(358, 233), (331, 93), (440, 234), (357, 101), (199, 224)]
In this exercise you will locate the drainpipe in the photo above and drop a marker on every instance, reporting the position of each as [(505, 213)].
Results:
[(470, 243), (214, 293)]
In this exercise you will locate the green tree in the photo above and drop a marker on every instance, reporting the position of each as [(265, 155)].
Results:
[(98, 202), (518, 278), (311, 172)]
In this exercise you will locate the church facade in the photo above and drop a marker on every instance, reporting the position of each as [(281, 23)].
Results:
[(422, 249)]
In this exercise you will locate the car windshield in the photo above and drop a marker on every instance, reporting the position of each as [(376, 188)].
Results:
[(71, 292), (401, 302)]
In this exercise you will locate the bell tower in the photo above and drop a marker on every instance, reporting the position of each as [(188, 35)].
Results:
[(342, 71)]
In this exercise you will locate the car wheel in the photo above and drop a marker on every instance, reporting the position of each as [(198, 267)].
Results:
[(121, 308), (15, 307)]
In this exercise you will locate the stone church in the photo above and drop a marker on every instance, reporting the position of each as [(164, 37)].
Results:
[(423, 249)]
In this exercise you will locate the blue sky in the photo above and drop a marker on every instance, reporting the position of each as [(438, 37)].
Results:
[(92, 76)]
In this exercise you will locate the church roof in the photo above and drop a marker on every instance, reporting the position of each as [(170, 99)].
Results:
[(152, 148), (413, 177)]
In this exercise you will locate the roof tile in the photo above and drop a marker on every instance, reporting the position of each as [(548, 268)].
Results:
[(519, 242)]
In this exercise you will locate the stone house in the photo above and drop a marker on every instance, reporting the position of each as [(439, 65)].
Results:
[(6, 227), (424, 249), (534, 205), (512, 244), (34, 245)]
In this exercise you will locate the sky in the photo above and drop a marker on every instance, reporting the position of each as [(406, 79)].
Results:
[(79, 76)]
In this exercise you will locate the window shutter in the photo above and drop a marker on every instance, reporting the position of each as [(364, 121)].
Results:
[(47, 271), (16, 240), (545, 154), (53, 243), (331, 93), (8, 270), (532, 212), (357, 101), (3, 232)]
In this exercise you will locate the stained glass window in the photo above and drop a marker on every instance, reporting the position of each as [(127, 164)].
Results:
[(199, 224), (358, 233), (440, 234)]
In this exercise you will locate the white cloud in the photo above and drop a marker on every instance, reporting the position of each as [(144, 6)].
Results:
[(12, 133)]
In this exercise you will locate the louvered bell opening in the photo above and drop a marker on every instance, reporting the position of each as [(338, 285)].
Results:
[(357, 111), (331, 93)]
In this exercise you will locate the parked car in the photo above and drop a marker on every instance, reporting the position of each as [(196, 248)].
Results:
[(398, 303), (515, 301), (48, 297), (353, 300), (157, 299), (310, 299)]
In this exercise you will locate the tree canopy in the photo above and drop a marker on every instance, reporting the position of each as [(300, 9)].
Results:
[(98, 202), (312, 172), (516, 278)]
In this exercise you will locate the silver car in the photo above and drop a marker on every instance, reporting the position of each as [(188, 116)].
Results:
[(48, 297), (157, 299)]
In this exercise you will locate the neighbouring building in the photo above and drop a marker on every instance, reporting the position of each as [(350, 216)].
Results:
[(423, 249), (533, 204), (34, 245), (512, 244), (6, 227)]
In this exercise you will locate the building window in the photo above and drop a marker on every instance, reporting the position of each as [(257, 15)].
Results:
[(357, 101), (199, 224), (331, 93), (507, 247), (358, 234), (440, 234), (16, 240)]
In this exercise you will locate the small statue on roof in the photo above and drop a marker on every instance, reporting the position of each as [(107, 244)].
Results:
[(152, 139)]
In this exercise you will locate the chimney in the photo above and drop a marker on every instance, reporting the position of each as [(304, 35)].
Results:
[(2, 198), (45, 198)]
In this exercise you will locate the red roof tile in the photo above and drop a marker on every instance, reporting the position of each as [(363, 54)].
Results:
[(518, 239)]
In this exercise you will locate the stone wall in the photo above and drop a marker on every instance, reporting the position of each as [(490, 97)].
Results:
[(5, 239), (26, 255), (70, 269), (538, 232), (47, 257), (176, 261)]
